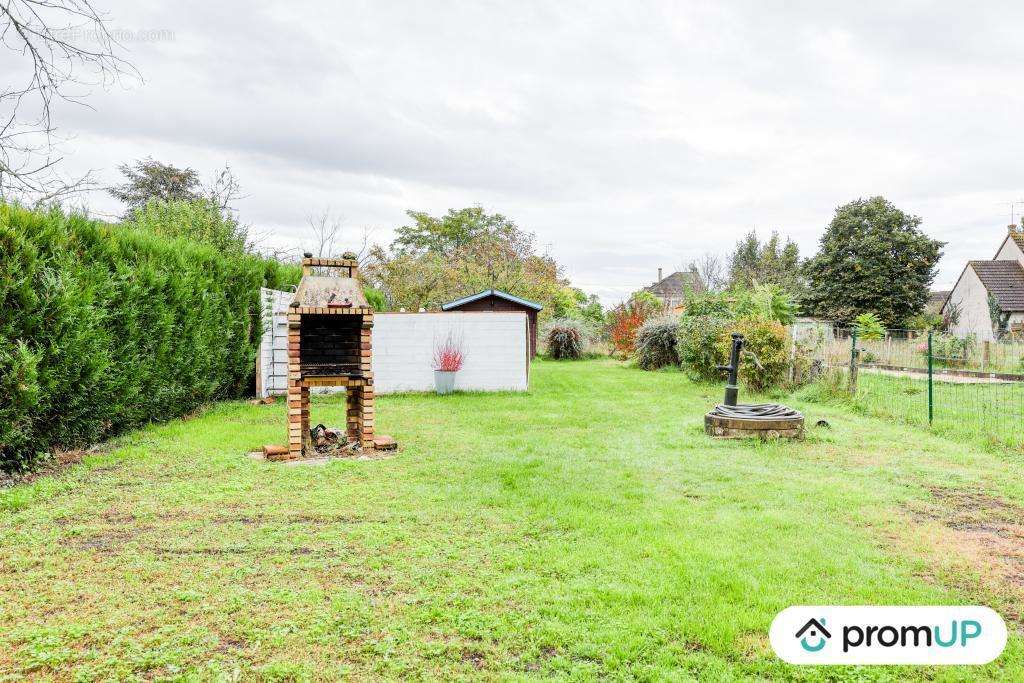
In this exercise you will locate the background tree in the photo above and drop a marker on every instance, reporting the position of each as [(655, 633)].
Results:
[(873, 259), (148, 179), (455, 230), (171, 201), (437, 259), (770, 262), (712, 272), (66, 48), (575, 304)]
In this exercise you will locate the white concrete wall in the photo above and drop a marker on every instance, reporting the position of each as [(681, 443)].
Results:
[(496, 347), (495, 344), (972, 297)]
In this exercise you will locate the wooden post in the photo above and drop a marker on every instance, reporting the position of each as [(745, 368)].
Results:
[(986, 354), (854, 362)]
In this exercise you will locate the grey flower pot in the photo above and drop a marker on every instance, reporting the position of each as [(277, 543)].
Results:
[(444, 381)]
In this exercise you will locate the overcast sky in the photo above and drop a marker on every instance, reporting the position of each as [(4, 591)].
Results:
[(628, 136)]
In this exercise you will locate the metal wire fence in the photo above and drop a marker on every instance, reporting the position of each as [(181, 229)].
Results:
[(961, 386)]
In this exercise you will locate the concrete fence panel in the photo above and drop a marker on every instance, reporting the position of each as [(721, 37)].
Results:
[(495, 346)]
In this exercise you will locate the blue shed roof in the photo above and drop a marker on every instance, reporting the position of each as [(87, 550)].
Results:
[(490, 292)]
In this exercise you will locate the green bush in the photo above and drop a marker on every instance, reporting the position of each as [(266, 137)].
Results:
[(768, 302), (566, 338), (657, 343), (698, 347), (199, 220), (376, 299), (765, 340), (869, 327), (105, 328), (948, 349), (715, 304)]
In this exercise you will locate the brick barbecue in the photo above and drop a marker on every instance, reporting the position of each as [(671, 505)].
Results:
[(330, 345)]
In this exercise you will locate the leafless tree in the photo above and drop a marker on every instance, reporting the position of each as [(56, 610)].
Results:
[(225, 189), (328, 231), (711, 270), (67, 47)]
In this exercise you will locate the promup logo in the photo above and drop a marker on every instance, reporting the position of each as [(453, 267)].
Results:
[(817, 633), (888, 635)]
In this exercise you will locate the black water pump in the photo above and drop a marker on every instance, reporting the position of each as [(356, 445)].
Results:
[(732, 388), (732, 409)]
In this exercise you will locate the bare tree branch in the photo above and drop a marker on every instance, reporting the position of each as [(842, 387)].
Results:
[(710, 268), (68, 48), (325, 230)]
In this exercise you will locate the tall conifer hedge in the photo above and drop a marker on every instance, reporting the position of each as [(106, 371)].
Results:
[(104, 328)]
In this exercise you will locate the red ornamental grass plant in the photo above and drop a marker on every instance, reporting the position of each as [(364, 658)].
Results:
[(448, 354)]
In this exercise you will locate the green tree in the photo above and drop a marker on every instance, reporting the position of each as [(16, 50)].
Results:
[(463, 252), (873, 258), (771, 262), (457, 229), (575, 304), (148, 180)]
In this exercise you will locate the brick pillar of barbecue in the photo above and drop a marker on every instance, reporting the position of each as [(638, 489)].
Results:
[(360, 396), (298, 395)]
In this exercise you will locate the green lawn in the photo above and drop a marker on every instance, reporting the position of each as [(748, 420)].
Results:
[(587, 529)]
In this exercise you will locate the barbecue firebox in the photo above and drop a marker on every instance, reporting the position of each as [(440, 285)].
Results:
[(329, 344)]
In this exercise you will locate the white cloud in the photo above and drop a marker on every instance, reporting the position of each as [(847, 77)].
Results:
[(628, 136)]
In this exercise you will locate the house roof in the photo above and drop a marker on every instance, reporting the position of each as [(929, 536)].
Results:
[(490, 292), (677, 285), (937, 298), (1004, 280), (1018, 237)]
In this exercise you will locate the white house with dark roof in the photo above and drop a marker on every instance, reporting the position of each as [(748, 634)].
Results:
[(984, 285)]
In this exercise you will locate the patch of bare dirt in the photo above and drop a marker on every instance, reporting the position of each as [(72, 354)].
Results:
[(474, 657), (978, 541), (55, 463)]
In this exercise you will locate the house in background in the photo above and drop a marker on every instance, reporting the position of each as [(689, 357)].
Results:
[(936, 299), (674, 289), (497, 301), (986, 288)]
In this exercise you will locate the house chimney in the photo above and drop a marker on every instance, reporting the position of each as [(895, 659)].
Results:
[(659, 275)]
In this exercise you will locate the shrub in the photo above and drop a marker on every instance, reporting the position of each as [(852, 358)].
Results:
[(105, 328), (375, 298), (626, 318), (708, 303), (765, 340), (869, 327), (768, 302), (924, 321), (566, 338), (657, 343), (698, 348), (199, 220), (948, 349)]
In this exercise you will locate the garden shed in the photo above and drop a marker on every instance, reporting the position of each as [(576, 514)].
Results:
[(497, 301)]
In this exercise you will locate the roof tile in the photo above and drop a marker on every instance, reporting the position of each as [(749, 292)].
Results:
[(1005, 280)]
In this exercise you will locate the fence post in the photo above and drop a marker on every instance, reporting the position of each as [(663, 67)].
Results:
[(931, 401), (986, 354), (853, 363)]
